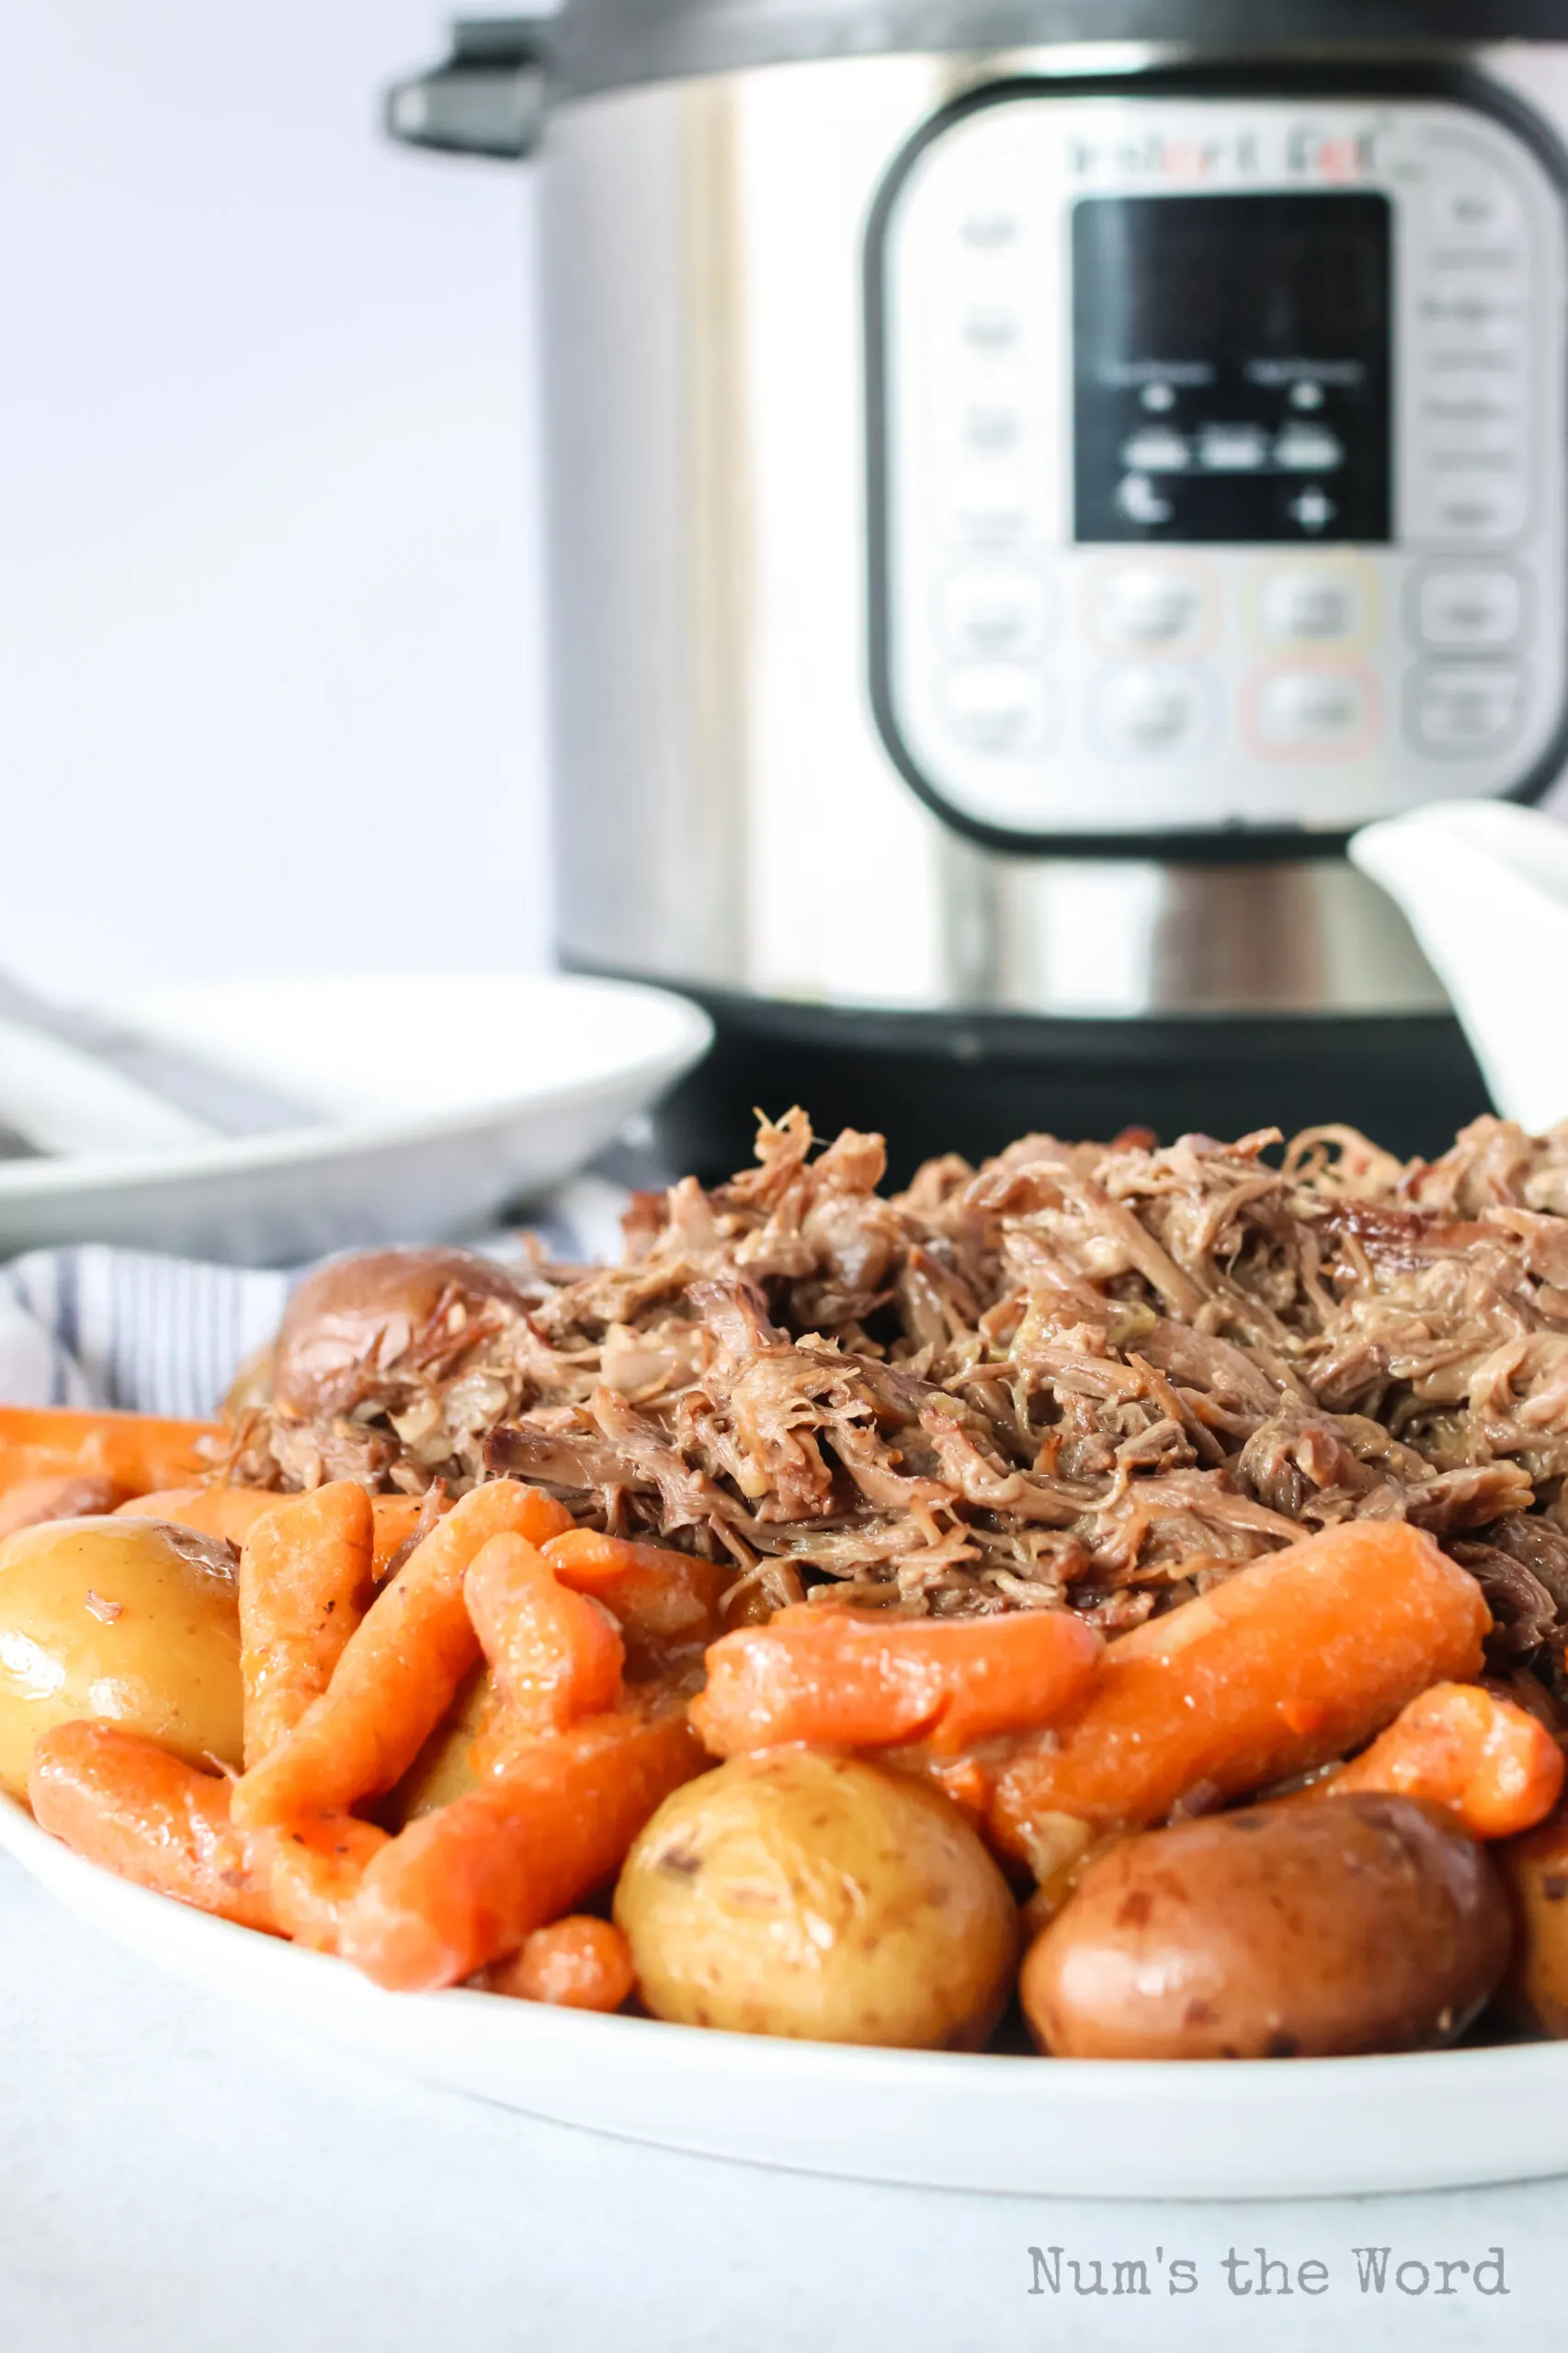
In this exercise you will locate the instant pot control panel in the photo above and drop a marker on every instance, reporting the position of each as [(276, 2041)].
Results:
[(1217, 459)]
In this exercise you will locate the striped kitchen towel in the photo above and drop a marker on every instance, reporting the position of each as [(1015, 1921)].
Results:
[(93, 1325)]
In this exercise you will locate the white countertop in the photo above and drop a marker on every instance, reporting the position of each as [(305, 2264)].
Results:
[(175, 2177)]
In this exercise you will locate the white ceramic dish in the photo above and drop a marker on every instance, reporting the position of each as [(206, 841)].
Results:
[(443, 1099), (1066, 2128)]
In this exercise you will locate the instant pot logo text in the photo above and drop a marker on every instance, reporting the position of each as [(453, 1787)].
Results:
[(1305, 153), (1385, 2271)]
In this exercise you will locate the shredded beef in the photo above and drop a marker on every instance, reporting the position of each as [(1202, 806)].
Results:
[(1080, 1373)]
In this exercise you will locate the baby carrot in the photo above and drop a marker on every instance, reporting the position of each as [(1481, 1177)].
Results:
[(1461, 1746), (232, 1512), (461, 1887), (398, 1675), (580, 1964), (126, 1804), (305, 1585), (835, 1675), (62, 1495), (137, 1451), (555, 1656), (1289, 1663), (666, 1600), (316, 1867)]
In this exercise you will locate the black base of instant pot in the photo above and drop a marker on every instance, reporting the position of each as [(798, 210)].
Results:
[(971, 1082)]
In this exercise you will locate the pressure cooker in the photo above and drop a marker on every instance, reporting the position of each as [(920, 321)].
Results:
[(1026, 481)]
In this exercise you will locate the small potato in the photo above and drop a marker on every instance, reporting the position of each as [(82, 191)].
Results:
[(441, 1771), (356, 1319), (1535, 1993), (1362, 1923), (802, 1892), (127, 1620)]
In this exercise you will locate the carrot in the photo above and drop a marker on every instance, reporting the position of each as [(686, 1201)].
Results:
[(832, 1675), (232, 1512), (398, 1675), (124, 1802), (460, 1888), (664, 1600), (316, 1867), (137, 1451), (305, 1585), (1289, 1663), (580, 1964), (555, 1656), (1461, 1746), (64, 1494)]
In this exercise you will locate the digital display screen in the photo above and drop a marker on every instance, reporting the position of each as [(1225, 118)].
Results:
[(1231, 368)]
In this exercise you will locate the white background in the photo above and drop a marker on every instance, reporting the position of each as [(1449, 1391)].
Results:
[(269, 673)]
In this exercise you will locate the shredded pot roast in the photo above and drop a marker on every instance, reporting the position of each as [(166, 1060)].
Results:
[(1082, 1374)]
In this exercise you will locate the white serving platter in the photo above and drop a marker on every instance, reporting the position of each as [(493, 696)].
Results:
[(442, 1098), (1062, 2128)]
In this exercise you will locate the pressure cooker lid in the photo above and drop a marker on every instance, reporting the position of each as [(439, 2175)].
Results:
[(605, 44)]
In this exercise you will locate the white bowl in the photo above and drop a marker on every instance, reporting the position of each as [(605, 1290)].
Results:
[(443, 1098), (1084, 2127)]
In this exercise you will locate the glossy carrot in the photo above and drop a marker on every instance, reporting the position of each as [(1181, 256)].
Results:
[(665, 1601), (315, 1870), (64, 1494), (463, 1887), (1459, 1745), (398, 1675), (232, 1512), (864, 1680), (124, 1802), (305, 1583), (1289, 1664), (579, 1963), (555, 1654), (137, 1451)]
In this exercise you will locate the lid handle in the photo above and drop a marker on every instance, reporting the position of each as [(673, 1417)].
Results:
[(487, 99)]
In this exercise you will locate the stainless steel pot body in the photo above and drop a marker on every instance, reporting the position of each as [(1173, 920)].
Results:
[(727, 814)]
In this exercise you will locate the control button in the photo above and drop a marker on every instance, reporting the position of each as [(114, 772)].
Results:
[(1313, 508), (1153, 713), (1312, 710), (989, 506), (1311, 607), (992, 425), (1469, 613), (1156, 450), (1137, 608), (1306, 394), (1158, 397), (994, 612), (1474, 507), (1307, 449), (1140, 502), (989, 229), (1472, 209), (1464, 712), (999, 707), (990, 327), (1232, 448)]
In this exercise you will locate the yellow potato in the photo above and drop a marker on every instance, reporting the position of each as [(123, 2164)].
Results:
[(441, 1771), (129, 1620), (802, 1892)]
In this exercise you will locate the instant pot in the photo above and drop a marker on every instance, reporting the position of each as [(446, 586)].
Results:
[(1025, 482)]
